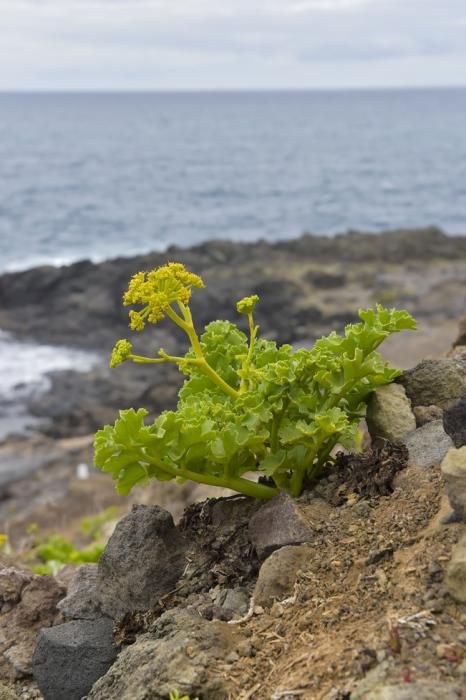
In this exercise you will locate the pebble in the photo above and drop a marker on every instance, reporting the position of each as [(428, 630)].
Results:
[(232, 657), (437, 605), (245, 648)]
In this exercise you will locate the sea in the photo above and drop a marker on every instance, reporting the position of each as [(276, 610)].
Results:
[(97, 176)]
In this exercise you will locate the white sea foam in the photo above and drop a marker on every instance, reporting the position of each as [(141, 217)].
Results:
[(24, 369)]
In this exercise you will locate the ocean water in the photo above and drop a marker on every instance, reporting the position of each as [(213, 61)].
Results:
[(101, 175), (24, 369)]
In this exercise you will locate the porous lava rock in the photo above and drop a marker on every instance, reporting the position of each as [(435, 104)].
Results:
[(69, 658), (142, 561), (281, 521), (454, 422), (389, 413), (82, 600), (440, 382), (428, 445), (177, 653), (426, 414)]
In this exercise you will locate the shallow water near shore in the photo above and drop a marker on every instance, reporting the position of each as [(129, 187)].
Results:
[(24, 369)]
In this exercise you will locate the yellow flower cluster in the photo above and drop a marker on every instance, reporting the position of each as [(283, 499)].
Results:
[(246, 305), (120, 352), (156, 290)]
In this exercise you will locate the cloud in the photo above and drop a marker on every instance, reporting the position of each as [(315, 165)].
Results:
[(232, 43)]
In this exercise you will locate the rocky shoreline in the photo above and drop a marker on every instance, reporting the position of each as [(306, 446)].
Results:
[(308, 287), (363, 600)]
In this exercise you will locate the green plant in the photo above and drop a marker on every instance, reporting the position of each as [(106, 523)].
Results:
[(92, 525), (57, 551), (246, 405), (175, 695)]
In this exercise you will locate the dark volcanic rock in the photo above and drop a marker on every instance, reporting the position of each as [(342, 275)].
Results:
[(82, 601), (69, 658), (80, 403), (281, 522), (454, 422), (81, 304), (142, 561), (439, 382), (177, 654), (325, 280), (426, 414)]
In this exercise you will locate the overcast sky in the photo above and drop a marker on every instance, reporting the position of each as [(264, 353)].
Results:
[(198, 44)]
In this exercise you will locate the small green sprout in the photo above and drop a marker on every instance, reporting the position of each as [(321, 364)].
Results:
[(57, 551), (175, 695), (247, 305), (92, 525), (247, 405)]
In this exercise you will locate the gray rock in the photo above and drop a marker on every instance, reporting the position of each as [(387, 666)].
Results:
[(428, 445), (389, 413), (234, 600), (142, 561), (69, 658), (179, 652), (325, 279), (440, 382), (82, 601), (282, 521), (454, 422), (277, 574), (28, 603), (454, 471), (427, 690), (455, 578), (426, 414)]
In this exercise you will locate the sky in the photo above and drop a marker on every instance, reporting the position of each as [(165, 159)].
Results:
[(230, 44)]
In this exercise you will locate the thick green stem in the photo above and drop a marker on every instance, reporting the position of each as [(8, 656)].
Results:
[(188, 328), (235, 483), (277, 421), (207, 369), (244, 386), (296, 482), (141, 360)]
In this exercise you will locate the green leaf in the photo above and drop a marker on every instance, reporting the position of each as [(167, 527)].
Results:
[(282, 421)]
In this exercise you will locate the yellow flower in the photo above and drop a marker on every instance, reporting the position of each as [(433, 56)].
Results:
[(136, 321), (156, 290), (246, 305), (120, 352)]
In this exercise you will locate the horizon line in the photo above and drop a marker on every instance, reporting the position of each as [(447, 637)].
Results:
[(232, 90)]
